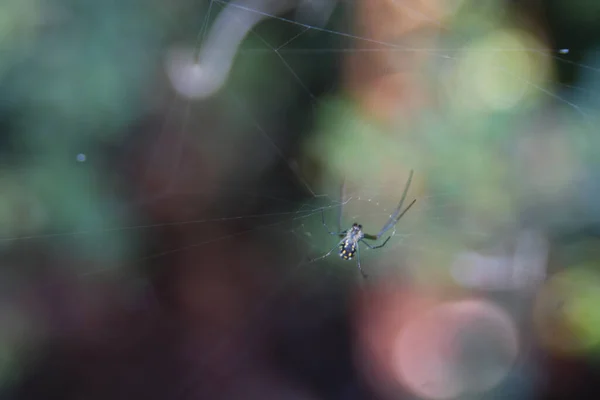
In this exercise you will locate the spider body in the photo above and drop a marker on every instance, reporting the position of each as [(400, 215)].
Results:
[(350, 239), (349, 245)]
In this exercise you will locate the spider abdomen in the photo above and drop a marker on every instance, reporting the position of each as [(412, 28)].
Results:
[(347, 249)]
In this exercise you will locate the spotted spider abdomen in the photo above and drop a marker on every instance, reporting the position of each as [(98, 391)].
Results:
[(347, 249)]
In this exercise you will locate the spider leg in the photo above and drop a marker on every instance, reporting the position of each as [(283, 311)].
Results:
[(398, 213), (358, 262), (379, 245), (392, 222), (328, 253), (326, 227), (343, 201)]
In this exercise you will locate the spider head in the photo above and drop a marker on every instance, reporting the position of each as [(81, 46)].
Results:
[(356, 231)]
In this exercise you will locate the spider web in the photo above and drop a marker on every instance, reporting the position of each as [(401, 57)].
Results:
[(569, 97), (303, 221)]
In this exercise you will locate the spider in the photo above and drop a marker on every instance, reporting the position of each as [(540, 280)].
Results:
[(348, 246)]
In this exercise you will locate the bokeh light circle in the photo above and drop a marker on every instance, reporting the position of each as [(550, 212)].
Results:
[(461, 347)]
